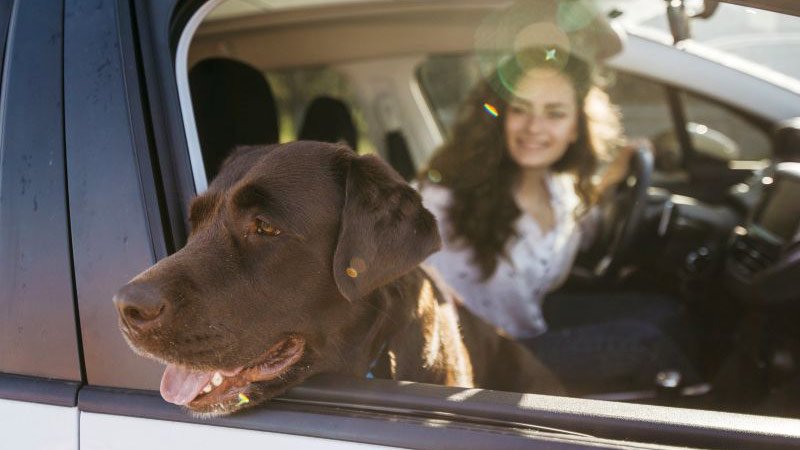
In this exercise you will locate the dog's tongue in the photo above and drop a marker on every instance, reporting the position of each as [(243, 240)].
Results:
[(180, 385)]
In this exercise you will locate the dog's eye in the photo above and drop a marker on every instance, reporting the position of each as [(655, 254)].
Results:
[(265, 228)]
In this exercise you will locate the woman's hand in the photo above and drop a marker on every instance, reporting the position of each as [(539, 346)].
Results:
[(618, 168)]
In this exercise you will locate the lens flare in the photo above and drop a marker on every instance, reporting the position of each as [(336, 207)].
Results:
[(491, 110), (434, 175)]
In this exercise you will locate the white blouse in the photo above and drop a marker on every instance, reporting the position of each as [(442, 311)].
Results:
[(537, 263)]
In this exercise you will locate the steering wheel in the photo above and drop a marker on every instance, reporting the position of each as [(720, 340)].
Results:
[(623, 213)]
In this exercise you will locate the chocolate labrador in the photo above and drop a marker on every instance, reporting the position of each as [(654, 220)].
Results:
[(304, 259)]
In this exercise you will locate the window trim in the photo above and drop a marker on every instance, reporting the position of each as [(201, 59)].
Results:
[(185, 95), (6, 12), (429, 416), (689, 427), (39, 390)]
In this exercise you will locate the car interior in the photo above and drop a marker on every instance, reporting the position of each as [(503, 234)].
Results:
[(708, 217)]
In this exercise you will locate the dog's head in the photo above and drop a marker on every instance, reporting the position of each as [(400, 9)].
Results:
[(270, 287)]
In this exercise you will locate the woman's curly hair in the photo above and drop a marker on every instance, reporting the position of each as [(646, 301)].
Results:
[(475, 165)]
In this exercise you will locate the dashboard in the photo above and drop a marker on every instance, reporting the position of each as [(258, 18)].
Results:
[(764, 259)]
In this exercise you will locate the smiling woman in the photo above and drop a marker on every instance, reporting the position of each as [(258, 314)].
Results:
[(514, 198)]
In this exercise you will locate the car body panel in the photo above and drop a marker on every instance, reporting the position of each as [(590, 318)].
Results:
[(37, 327), (110, 220), (111, 432), (22, 426)]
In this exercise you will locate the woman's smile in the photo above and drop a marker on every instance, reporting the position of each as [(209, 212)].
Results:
[(541, 121)]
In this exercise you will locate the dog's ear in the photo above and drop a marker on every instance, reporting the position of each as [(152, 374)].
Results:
[(384, 230)]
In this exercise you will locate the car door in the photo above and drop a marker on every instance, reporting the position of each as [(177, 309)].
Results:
[(130, 179), (40, 370)]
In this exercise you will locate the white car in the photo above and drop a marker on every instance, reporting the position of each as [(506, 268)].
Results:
[(105, 135)]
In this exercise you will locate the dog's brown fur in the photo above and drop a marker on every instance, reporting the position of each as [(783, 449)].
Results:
[(343, 274)]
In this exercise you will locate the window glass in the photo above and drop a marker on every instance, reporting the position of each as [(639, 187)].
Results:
[(306, 70), (642, 103), (447, 80), (296, 89), (724, 132), (766, 38)]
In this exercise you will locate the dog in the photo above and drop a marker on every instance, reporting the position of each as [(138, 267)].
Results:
[(304, 258)]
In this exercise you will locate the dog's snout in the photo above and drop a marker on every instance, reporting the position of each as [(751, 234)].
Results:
[(141, 306)]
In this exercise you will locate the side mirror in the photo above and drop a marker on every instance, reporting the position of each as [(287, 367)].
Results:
[(706, 142)]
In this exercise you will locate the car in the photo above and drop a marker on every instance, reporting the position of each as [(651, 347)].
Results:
[(103, 142)]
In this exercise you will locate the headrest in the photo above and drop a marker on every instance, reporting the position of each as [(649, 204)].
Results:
[(328, 119), (786, 140), (233, 106)]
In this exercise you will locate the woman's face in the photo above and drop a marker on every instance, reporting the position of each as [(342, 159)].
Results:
[(542, 119)]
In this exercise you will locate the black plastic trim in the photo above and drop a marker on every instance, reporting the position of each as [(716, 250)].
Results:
[(521, 415), (678, 113), (155, 33), (6, 9), (147, 158), (39, 390)]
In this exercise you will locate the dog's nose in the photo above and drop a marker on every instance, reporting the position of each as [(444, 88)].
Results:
[(140, 306)]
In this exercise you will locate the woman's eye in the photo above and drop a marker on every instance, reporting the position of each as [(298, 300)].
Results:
[(518, 109), (265, 228)]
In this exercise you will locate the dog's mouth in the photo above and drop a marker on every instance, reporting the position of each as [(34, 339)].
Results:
[(227, 389)]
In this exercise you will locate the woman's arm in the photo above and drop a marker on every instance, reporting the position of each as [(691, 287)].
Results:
[(618, 168)]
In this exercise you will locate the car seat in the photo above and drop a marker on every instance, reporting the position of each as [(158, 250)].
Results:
[(328, 119), (233, 106)]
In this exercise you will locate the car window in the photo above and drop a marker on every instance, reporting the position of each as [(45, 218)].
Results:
[(446, 80), (767, 38), (297, 89), (642, 103), (717, 130), (445, 77), (730, 135)]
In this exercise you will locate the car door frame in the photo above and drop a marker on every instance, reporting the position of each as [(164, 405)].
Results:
[(141, 105)]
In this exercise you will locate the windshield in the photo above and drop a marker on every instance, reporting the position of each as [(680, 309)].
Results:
[(763, 37)]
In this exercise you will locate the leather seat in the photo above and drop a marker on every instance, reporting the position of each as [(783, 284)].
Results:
[(233, 106), (328, 119)]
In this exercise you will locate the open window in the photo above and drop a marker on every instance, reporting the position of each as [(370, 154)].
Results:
[(368, 57)]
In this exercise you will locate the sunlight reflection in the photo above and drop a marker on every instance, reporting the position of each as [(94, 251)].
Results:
[(434, 175), (491, 110), (463, 395)]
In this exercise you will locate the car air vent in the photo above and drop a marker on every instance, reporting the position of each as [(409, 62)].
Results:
[(752, 253)]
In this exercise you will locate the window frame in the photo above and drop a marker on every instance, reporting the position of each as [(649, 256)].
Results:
[(161, 23)]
